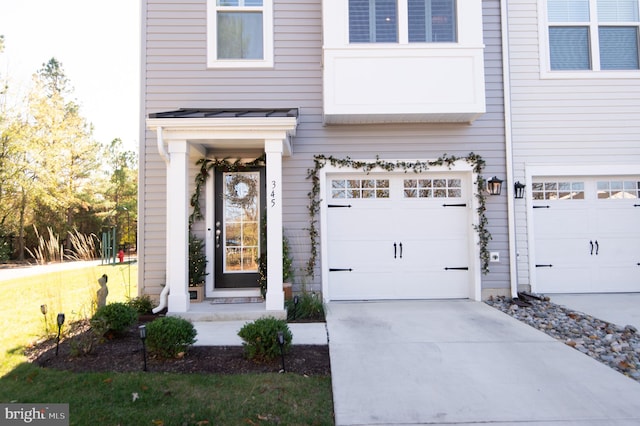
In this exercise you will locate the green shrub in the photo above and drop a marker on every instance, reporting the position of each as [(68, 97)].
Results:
[(308, 308), (170, 336), (143, 304), (116, 317), (260, 338), (5, 248)]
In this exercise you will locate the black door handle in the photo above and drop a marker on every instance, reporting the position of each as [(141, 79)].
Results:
[(400, 250), (597, 247), (591, 244), (395, 249)]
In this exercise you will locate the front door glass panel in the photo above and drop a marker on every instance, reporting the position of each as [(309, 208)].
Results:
[(241, 209)]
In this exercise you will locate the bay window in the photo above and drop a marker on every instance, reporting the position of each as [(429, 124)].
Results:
[(413, 21), (594, 35)]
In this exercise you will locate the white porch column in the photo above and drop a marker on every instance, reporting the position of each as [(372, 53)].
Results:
[(275, 293), (178, 226)]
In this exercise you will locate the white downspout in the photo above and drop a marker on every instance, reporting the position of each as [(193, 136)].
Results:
[(164, 294), (161, 149), (511, 221)]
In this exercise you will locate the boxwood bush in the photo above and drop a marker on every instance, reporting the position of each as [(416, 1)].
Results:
[(168, 337), (142, 304), (260, 338), (115, 317)]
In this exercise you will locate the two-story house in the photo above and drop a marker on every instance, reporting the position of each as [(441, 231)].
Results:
[(574, 115), (362, 130)]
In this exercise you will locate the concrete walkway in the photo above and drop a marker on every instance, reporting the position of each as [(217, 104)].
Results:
[(463, 362), (9, 273)]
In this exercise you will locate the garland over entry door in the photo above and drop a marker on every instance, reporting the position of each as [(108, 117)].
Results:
[(239, 200), (398, 236)]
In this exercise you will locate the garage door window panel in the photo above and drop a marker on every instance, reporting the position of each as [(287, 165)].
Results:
[(558, 190), (618, 190), (359, 188), (432, 188)]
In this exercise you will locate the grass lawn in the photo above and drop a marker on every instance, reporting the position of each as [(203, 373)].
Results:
[(137, 398)]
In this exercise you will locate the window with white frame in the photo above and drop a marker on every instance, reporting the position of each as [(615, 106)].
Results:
[(240, 33), (383, 21), (598, 35)]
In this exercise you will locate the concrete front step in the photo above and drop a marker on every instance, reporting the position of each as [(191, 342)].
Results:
[(234, 300), (208, 311)]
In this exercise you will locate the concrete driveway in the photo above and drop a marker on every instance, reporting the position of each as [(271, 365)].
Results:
[(464, 362)]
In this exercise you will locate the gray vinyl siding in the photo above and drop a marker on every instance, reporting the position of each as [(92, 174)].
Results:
[(588, 121), (177, 77)]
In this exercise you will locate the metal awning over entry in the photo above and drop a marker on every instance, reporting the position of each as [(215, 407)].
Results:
[(225, 113)]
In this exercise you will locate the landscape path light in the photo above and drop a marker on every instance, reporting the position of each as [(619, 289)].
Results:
[(60, 321), (296, 299), (281, 344), (143, 336), (43, 309)]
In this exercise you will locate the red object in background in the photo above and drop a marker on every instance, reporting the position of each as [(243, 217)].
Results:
[(121, 255)]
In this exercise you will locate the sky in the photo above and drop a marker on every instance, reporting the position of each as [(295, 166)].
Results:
[(97, 43)]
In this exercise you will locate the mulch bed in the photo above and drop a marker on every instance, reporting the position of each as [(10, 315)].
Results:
[(124, 353)]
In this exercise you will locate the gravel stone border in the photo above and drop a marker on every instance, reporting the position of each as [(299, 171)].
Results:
[(614, 345)]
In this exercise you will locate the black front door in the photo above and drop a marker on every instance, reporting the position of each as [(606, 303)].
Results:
[(239, 197)]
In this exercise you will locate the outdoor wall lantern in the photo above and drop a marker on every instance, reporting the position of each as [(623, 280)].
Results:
[(143, 336), (60, 320), (281, 344), (494, 186), (519, 189)]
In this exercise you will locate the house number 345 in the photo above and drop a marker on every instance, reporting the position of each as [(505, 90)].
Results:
[(273, 193)]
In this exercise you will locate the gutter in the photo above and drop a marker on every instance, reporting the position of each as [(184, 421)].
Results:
[(506, 76)]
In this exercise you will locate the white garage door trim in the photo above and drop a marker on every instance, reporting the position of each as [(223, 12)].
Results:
[(534, 171), (461, 166)]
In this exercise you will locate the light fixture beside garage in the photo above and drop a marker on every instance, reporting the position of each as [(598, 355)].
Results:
[(494, 186), (519, 190)]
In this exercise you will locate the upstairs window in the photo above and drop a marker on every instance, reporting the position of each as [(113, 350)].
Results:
[(432, 21), (417, 21), (373, 21), (240, 33), (593, 34)]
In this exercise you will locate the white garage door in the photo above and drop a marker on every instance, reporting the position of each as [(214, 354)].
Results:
[(587, 234), (398, 236)]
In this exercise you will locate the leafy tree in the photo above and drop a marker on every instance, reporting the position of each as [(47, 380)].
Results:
[(50, 170), (122, 190), (68, 154)]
